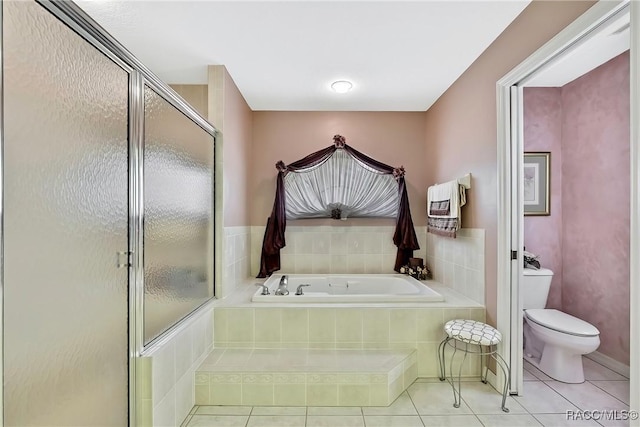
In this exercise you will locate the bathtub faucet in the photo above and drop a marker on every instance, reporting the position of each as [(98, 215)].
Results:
[(282, 287), (299, 289), (265, 290)]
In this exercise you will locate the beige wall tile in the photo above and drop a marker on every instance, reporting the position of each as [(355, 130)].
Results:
[(353, 394), (202, 394), (322, 326), (240, 325), (379, 394), (185, 389), (396, 388), (355, 263), (295, 325), (164, 412), (321, 243), (349, 325), (375, 325), (338, 243), (225, 394), (402, 325), (290, 394), (321, 264), (164, 373), (220, 316), (429, 325), (428, 360), (322, 394), (268, 325), (257, 394)]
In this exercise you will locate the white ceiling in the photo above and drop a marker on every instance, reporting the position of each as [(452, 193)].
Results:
[(606, 43), (283, 55)]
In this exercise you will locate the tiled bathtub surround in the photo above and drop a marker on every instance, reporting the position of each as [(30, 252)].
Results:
[(339, 249), (166, 373), (301, 377), (342, 327), (459, 262), (237, 259)]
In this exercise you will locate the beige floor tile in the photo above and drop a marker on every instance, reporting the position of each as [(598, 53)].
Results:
[(223, 410), (279, 410), (334, 410), (618, 389), (560, 420), (586, 396), (392, 421), (596, 372), (276, 421), (451, 421), (401, 406), (335, 421), (218, 421), (185, 423), (536, 372), (435, 399), (506, 420), (539, 398), (484, 399), (528, 376)]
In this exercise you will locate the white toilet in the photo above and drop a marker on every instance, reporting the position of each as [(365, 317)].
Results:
[(554, 341)]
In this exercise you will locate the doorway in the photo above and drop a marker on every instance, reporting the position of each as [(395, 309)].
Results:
[(510, 173)]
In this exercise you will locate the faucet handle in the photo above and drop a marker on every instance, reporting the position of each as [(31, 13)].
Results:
[(265, 290), (299, 289)]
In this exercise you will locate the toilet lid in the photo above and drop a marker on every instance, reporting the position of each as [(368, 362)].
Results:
[(561, 322)]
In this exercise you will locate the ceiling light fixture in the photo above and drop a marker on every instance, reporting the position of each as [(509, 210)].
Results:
[(341, 86)]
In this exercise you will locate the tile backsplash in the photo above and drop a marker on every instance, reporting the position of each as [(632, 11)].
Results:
[(236, 259), (326, 249), (459, 263)]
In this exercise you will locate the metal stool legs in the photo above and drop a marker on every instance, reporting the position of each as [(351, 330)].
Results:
[(484, 355)]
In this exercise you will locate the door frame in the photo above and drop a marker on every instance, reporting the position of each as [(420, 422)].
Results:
[(510, 185)]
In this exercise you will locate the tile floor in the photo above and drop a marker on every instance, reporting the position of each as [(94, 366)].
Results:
[(428, 402)]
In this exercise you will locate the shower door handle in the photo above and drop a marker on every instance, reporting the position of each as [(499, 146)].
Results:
[(119, 259)]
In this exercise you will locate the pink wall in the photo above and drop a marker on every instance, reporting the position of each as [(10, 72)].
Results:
[(543, 132), (229, 112), (461, 128), (395, 138), (596, 202)]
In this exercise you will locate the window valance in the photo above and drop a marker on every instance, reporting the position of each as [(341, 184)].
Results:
[(338, 182)]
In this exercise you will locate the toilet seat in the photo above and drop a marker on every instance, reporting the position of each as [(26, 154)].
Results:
[(561, 322)]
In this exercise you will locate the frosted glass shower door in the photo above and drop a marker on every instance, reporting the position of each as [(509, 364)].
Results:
[(178, 215), (66, 217)]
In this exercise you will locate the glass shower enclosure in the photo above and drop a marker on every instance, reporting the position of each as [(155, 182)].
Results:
[(107, 217)]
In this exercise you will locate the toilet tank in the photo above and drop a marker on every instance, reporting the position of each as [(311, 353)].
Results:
[(535, 287)]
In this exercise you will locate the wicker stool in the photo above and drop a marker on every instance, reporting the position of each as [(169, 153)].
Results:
[(469, 336)]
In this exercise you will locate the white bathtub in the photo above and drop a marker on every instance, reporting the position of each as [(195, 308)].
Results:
[(351, 288)]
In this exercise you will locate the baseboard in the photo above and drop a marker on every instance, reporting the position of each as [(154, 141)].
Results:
[(610, 363)]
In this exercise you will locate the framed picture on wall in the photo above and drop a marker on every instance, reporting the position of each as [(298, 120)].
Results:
[(537, 183)]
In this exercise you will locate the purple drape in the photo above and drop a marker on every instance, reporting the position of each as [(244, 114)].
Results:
[(404, 237)]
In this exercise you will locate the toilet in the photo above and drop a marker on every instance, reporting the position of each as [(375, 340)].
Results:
[(554, 341)]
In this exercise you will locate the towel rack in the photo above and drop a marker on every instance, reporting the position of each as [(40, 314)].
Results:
[(465, 181)]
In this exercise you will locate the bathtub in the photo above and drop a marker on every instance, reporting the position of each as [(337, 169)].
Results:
[(350, 288)]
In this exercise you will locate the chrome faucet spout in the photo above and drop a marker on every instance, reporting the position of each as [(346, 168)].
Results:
[(282, 286)]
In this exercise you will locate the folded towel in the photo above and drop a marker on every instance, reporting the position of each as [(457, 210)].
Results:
[(443, 208)]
